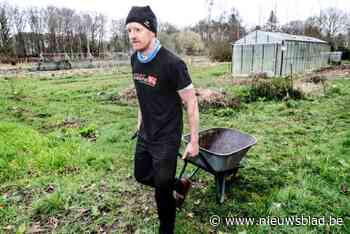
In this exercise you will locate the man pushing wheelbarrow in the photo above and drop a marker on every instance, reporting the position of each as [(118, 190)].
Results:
[(162, 84)]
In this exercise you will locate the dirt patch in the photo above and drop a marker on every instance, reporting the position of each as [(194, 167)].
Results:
[(333, 71), (211, 98), (310, 88), (316, 79), (242, 81), (128, 94), (69, 123), (125, 97), (20, 112), (26, 71)]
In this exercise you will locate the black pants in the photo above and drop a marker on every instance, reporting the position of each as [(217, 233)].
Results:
[(155, 165)]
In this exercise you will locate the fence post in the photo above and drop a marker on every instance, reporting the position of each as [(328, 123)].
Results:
[(241, 59), (276, 54), (263, 55), (232, 59), (282, 54), (252, 66)]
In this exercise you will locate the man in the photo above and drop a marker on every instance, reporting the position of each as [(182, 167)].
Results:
[(162, 84)]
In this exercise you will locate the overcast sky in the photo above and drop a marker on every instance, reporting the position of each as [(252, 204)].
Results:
[(188, 12)]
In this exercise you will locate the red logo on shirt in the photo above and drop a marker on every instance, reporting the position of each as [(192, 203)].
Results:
[(152, 80), (148, 80)]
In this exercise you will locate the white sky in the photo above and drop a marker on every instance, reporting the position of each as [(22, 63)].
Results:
[(188, 12)]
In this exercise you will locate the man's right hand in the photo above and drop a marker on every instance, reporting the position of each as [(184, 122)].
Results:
[(192, 150)]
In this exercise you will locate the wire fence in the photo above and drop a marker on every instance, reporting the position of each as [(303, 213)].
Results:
[(60, 61)]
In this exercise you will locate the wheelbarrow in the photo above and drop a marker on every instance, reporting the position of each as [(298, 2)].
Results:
[(220, 153)]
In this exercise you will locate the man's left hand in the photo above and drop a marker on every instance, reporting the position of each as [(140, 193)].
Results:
[(192, 150)]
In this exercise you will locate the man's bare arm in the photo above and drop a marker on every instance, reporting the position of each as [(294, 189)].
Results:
[(189, 98)]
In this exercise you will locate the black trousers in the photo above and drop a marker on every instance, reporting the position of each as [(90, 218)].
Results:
[(155, 165)]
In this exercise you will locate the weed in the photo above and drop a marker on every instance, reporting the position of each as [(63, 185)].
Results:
[(273, 89)]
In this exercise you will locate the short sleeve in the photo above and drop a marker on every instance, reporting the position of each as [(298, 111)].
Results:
[(180, 77)]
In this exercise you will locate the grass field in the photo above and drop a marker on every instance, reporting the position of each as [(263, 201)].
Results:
[(66, 158)]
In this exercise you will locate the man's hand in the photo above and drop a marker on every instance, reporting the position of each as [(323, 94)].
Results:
[(192, 150)]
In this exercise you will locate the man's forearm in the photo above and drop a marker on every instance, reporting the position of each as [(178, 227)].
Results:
[(139, 119), (193, 119)]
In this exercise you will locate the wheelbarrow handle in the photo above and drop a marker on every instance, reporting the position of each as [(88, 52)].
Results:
[(135, 135)]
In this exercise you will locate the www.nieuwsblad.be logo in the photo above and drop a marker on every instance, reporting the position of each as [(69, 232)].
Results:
[(148, 80), (216, 220)]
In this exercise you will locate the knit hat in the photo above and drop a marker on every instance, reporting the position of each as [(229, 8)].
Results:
[(143, 15)]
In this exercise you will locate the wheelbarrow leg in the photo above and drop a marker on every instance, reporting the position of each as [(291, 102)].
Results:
[(194, 172), (183, 169), (220, 187)]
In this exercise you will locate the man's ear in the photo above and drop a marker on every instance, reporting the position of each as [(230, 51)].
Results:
[(154, 35)]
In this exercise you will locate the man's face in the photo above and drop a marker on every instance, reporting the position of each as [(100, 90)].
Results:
[(139, 36)]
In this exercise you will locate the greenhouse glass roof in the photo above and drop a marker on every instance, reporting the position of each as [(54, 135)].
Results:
[(262, 37)]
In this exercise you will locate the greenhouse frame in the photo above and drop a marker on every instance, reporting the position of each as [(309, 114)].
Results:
[(278, 54)]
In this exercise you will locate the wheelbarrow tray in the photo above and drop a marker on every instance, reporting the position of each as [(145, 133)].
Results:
[(220, 153), (220, 149)]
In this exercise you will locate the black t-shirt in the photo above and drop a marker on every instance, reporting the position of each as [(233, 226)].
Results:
[(157, 83)]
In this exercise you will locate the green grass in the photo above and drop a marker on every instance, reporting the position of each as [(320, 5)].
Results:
[(55, 176)]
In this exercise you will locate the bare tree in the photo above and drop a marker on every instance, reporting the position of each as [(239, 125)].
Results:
[(78, 31), (68, 28), (101, 33), (94, 27), (226, 28), (36, 23), (332, 22), (5, 36), (19, 24), (87, 25), (167, 28), (119, 38), (272, 23), (52, 28), (296, 27), (312, 27)]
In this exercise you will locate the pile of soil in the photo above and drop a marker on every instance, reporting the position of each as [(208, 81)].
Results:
[(308, 87), (206, 98), (127, 96), (211, 98)]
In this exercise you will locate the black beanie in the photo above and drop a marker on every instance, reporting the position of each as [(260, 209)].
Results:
[(143, 15)]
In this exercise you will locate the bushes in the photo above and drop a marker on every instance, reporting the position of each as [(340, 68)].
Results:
[(189, 43), (345, 53), (220, 51), (273, 89)]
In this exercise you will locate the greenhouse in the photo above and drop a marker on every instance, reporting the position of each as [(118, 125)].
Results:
[(278, 54)]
